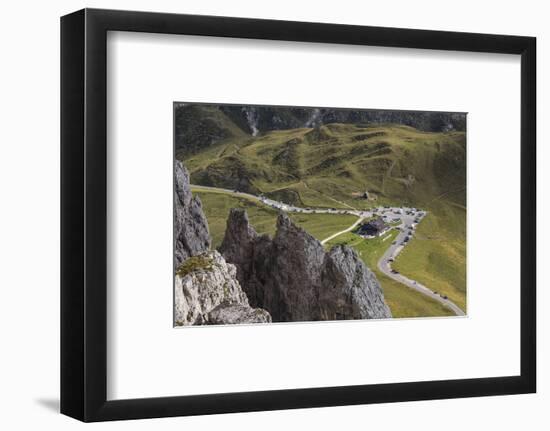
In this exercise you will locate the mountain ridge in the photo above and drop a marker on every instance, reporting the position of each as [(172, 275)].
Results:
[(200, 125)]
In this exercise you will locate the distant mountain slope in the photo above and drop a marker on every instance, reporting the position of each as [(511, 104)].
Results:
[(329, 165), (259, 119), (197, 127)]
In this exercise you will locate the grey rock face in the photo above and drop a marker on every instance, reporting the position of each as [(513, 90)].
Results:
[(298, 258), (207, 292), (239, 242), (293, 277), (268, 118), (191, 228), (237, 313), (350, 288)]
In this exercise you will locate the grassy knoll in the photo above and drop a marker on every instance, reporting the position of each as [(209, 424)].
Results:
[(217, 206), (403, 302)]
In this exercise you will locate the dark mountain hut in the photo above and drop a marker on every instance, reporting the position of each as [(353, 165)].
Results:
[(373, 227)]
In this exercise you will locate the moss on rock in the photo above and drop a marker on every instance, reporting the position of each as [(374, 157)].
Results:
[(195, 263)]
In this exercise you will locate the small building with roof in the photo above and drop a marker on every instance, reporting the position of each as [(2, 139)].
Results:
[(373, 228)]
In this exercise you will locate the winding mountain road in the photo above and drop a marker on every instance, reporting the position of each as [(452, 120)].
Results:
[(407, 227), (384, 264)]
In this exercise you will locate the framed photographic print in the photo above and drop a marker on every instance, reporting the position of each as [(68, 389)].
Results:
[(262, 215)]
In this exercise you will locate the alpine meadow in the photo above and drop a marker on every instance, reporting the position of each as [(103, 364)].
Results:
[(286, 214)]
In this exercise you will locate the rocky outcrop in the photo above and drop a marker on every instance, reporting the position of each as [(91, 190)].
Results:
[(226, 314), (191, 228), (350, 288), (206, 287), (207, 292), (293, 278)]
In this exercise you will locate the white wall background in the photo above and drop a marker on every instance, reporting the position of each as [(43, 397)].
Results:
[(29, 216)]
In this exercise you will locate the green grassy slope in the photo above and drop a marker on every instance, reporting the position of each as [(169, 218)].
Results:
[(403, 302), (437, 255), (329, 164), (197, 128)]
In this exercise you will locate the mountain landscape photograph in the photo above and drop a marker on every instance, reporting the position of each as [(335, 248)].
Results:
[(303, 214)]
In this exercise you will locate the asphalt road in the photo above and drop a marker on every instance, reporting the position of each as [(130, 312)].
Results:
[(384, 264), (286, 207), (407, 229)]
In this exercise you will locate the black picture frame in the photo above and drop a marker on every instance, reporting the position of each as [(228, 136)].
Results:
[(84, 214)]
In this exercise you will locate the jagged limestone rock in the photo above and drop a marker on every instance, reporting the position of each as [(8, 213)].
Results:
[(293, 278), (350, 288), (206, 291), (298, 258), (191, 228)]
